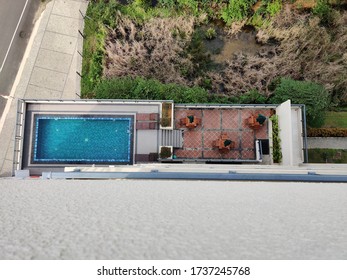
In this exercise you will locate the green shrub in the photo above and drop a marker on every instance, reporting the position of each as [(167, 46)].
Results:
[(221, 99), (256, 20), (167, 3), (165, 152), (148, 89), (210, 33), (327, 156), (140, 88), (267, 9), (313, 95), (236, 10), (121, 88), (138, 10), (165, 122), (276, 140), (100, 16), (324, 12), (198, 54), (327, 132), (273, 7), (252, 97), (190, 6)]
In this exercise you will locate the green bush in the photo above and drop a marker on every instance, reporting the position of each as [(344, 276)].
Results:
[(267, 9), (165, 122), (99, 16), (236, 10), (252, 97), (327, 132), (221, 99), (140, 10), (274, 7), (327, 156), (256, 20), (165, 152), (313, 95), (210, 33), (167, 3), (324, 12), (276, 140), (191, 7), (140, 88), (198, 54), (114, 89)]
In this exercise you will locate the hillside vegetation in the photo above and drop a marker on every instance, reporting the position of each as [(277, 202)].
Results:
[(176, 41)]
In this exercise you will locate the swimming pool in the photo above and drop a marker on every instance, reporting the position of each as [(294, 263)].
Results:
[(83, 139)]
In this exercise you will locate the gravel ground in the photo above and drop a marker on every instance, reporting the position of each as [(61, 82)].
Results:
[(119, 219)]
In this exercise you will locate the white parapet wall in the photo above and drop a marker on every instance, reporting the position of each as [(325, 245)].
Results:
[(284, 114), (297, 133)]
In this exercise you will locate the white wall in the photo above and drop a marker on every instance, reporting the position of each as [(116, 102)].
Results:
[(284, 114), (298, 153)]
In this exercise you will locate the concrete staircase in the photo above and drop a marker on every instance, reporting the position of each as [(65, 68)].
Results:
[(169, 137)]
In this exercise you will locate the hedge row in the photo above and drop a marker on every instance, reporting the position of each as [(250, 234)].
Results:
[(139, 88), (152, 89), (327, 132)]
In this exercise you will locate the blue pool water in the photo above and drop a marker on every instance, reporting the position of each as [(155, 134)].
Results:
[(70, 139)]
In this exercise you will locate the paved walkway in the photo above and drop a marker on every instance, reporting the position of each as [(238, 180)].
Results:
[(48, 68), (327, 142)]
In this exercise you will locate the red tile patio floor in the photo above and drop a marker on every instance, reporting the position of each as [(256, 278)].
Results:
[(197, 142)]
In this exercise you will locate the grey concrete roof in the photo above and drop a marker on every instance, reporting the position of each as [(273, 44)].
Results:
[(118, 219)]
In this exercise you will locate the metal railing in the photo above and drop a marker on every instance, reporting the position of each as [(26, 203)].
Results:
[(18, 136)]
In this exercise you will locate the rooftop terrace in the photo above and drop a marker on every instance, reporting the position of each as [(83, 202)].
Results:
[(198, 142), (202, 142)]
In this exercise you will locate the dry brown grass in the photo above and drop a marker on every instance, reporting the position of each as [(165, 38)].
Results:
[(305, 50), (244, 73), (152, 50), (309, 51)]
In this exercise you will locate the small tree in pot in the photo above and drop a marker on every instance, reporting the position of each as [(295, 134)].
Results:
[(165, 152), (165, 122)]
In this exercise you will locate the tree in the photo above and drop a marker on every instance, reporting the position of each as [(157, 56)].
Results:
[(313, 95)]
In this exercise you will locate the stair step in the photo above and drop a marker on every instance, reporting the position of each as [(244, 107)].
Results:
[(171, 138)]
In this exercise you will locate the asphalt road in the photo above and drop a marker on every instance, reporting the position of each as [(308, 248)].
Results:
[(16, 24)]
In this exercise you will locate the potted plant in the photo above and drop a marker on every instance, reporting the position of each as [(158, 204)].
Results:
[(165, 152), (261, 119), (166, 120)]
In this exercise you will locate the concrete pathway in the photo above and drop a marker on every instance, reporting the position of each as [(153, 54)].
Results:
[(327, 142), (48, 69)]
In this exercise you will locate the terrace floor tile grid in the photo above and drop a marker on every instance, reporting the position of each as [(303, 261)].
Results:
[(180, 114), (209, 137), (230, 119), (192, 139), (212, 119), (198, 142)]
